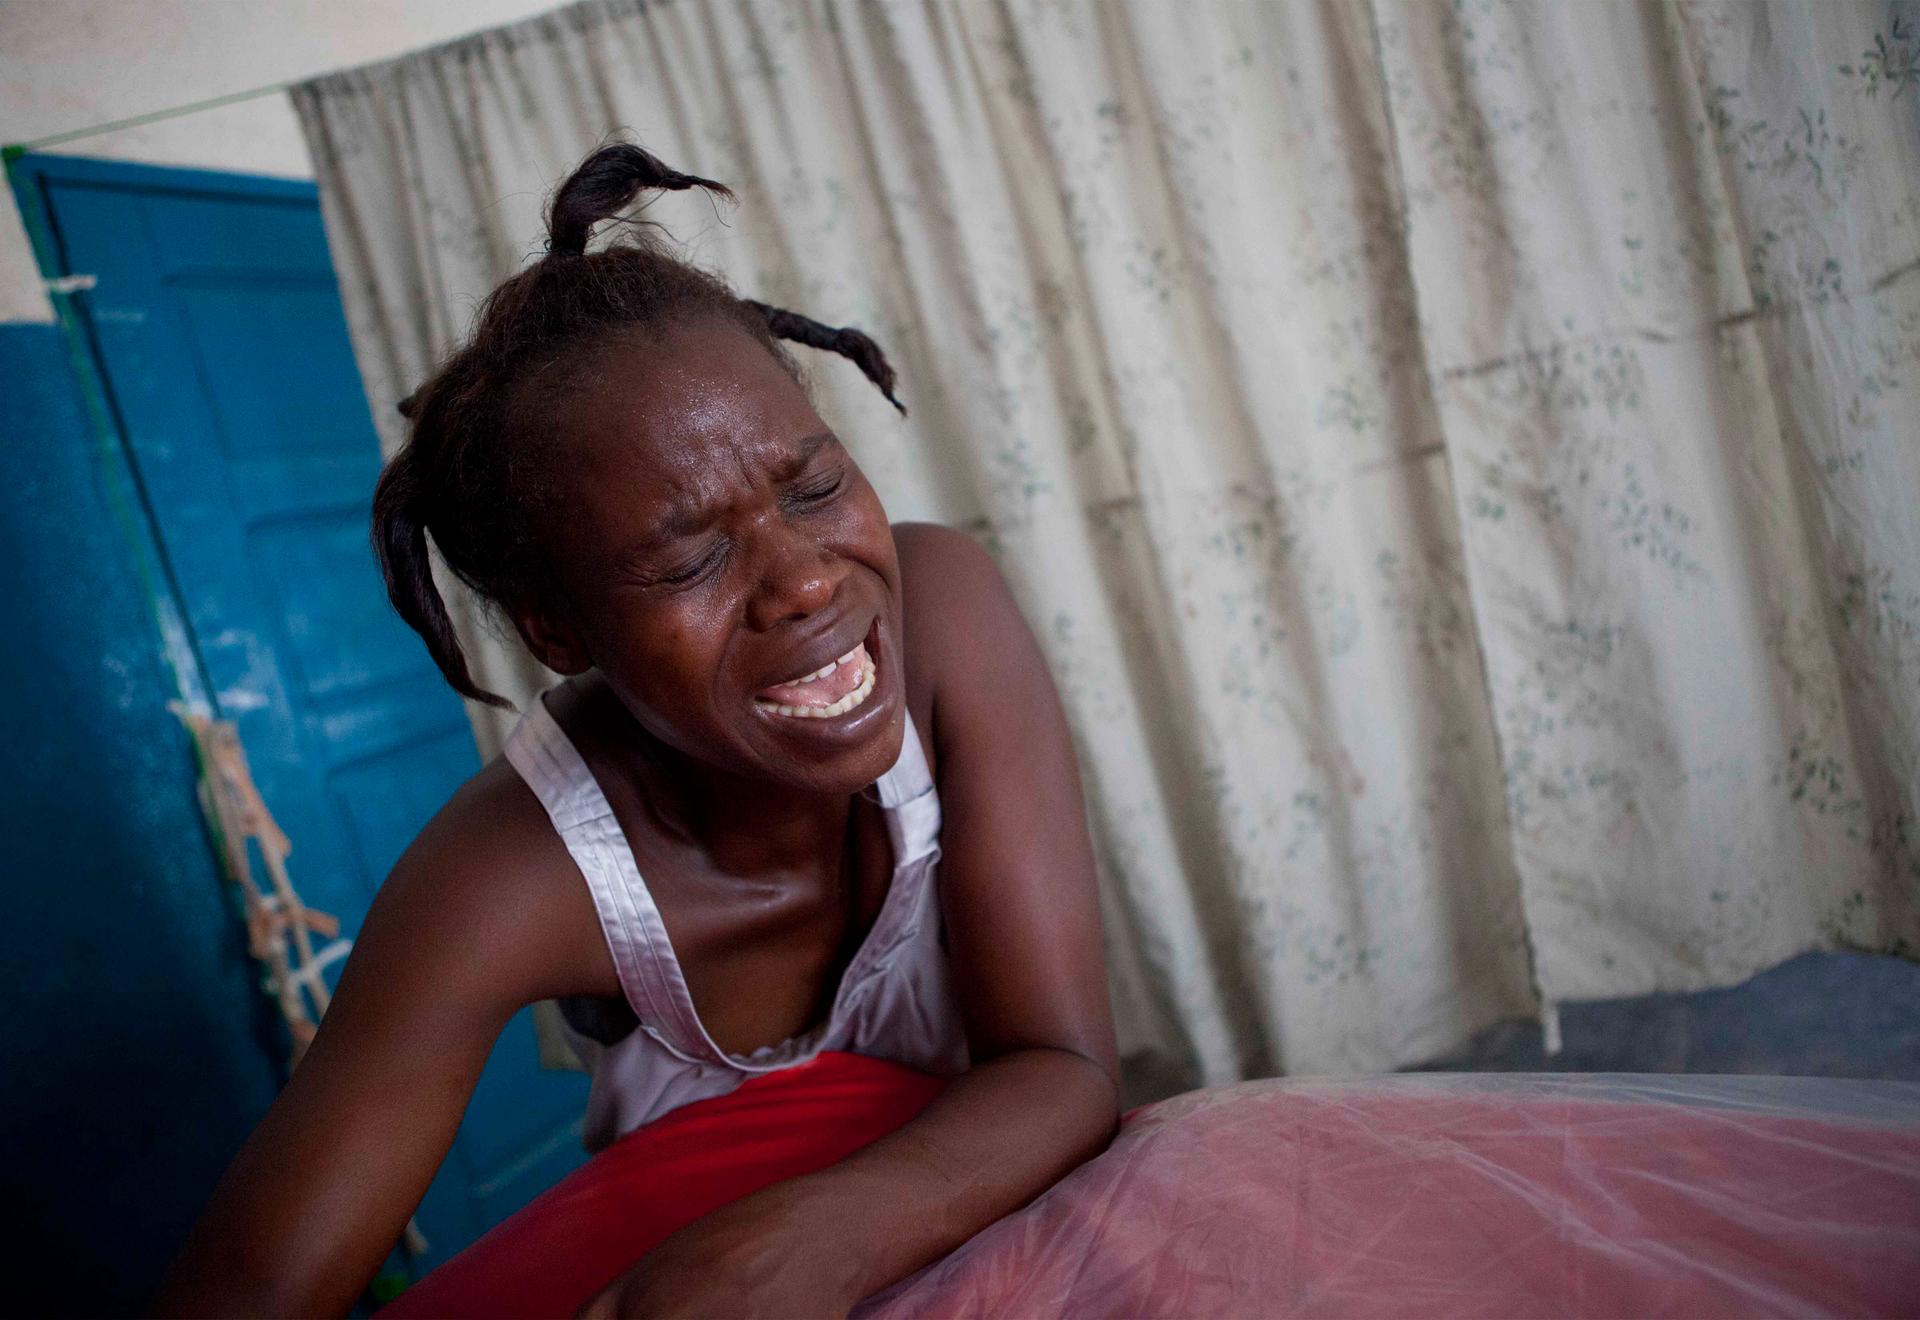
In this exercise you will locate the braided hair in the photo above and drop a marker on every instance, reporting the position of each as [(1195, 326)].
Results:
[(474, 462)]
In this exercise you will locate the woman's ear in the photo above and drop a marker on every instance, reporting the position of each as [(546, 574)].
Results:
[(552, 641)]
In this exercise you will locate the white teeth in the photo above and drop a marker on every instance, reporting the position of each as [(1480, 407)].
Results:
[(840, 707), (821, 672)]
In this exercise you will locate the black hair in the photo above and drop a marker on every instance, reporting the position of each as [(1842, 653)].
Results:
[(475, 458)]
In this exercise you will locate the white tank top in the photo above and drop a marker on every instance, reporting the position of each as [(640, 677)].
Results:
[(895, 1000)]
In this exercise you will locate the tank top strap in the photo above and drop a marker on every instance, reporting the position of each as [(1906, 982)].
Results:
[(636, 935), (906, 792), (643, 958)]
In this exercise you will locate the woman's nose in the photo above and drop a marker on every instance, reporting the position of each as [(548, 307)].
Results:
[(797, 577)]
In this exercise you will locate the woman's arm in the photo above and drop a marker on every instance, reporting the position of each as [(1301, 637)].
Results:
[(1018, 894), (324, 1187), (1017, 887)]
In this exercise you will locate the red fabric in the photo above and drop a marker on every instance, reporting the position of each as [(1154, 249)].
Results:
[(574, 1239)]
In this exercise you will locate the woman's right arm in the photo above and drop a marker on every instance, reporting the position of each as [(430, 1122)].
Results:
[(459, 938)]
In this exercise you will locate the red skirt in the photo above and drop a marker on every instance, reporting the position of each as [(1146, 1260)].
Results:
[(584, 1232)]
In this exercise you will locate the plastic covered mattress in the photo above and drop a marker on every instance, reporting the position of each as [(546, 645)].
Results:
[(1485, 1195), (1428, 1196)]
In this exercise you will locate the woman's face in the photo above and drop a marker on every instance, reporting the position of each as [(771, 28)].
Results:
[(712, 542)]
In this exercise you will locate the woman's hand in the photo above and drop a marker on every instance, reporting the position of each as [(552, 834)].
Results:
[(759, 1257)]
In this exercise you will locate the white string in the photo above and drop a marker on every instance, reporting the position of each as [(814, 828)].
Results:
[(325, 958)]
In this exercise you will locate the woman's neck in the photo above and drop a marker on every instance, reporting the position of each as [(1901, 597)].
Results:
[(745, 827)]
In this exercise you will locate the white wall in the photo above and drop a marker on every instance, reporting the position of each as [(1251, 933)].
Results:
[(77, 64)]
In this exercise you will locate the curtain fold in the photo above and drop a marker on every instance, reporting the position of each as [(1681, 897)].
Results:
[(1461, 462)]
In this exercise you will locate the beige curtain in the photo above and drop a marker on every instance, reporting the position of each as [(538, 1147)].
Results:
[(1462, 461)]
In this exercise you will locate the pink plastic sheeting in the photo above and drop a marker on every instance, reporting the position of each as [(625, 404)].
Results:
[(1484, 1195)]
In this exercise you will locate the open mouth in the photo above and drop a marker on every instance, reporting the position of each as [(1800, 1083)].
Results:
[(834, 689)]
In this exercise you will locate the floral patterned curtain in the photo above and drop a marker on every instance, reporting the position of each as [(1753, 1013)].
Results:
[(1461, 460)]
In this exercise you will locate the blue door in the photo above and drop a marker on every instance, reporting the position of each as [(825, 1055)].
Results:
[(217, 326)]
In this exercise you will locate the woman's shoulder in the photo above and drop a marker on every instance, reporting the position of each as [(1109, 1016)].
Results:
[(962, 622), (928, 545), (493, 825), (946, 574), (933, 559), (490, 866), (952, 587)]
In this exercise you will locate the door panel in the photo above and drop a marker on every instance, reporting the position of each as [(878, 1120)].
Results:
[(341, 643), (219, 331), (271, 394)]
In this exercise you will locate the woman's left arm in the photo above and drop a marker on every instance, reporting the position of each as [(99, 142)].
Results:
[(1022, 916), (1023, 935)]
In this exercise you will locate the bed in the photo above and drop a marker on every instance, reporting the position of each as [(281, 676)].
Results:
[(1427, 1195)]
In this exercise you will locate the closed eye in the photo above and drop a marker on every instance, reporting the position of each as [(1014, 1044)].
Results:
[(694, 569), (816, 491)]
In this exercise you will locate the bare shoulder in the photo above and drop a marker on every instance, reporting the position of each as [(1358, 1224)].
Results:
[(488, 883), (953, 588), (966, 637), (492, 825), (934, 547)]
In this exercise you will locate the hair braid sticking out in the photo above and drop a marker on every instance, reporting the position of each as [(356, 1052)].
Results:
[(478, 457), (846, 341)]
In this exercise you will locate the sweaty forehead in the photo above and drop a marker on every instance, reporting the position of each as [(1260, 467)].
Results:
[(671, 424), (675, 395)]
